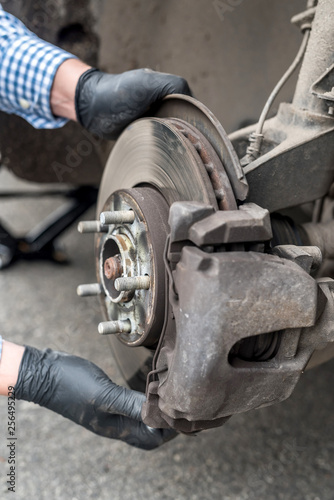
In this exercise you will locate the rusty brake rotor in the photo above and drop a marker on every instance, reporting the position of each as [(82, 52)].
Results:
[(176, 156)]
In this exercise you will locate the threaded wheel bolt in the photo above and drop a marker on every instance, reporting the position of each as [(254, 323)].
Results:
[(117, 217), (111, 327), (132, 283), (89, 290)]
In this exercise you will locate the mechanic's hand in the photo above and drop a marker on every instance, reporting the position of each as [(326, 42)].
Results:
[(105, 104), (80, 391)]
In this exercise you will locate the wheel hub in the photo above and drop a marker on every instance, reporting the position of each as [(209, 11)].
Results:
[(130, 265)]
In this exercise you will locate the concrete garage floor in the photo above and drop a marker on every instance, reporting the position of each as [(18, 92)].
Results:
[(282, 452)]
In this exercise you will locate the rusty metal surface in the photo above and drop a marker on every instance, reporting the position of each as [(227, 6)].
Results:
[(132, 250), (250, 223), (308, 258), (151, 151), (214, 167), (142, 156), (113, 267), (233, 296), (198, 115), (221, 299), (297, 164), (318, 58)]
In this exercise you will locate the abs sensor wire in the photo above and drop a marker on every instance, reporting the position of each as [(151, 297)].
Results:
[(256, 138)]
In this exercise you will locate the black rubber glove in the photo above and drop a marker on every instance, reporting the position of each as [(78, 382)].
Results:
[(105, 104), (82, 392)]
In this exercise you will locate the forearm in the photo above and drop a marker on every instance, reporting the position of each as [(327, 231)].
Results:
[(63, 88), (9, 365), (28, 68)]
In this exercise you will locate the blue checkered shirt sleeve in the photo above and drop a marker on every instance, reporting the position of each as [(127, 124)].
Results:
[(27, 69)]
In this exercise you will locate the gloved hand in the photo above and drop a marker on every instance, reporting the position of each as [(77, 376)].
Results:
[(82, 392), (105, 104)]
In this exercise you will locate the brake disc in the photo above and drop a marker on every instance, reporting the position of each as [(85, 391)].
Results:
[(176, 156)]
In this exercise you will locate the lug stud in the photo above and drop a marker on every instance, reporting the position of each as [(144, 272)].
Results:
[(110, 327), (89, 290), (119, 217), (132, 284), (90, 226)]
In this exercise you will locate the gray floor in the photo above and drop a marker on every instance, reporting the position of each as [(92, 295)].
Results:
[(282, 452)]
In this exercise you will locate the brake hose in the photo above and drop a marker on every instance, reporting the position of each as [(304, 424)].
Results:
[(256, 138)]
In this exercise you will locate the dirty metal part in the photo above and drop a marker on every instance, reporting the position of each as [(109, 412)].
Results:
[(114, 245), (183, 214), (317, 60), (256, 138), (257, 348), (214, 167), (250, 223), (132, 283), (323, 88), (311, 234), (117, 217), (199, 116), (234, 295), (321, 336), (153, 153), (297, 161), (112, 327), (117, 245), (251, 294), (220, 299), (308, 258), (113, 267), (89, 290), (297, 164), (156, 153), (321, 235), (126, 254), (286, 232), (90, 226)]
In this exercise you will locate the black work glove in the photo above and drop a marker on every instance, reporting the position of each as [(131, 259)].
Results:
[(82, 392), (105, 104)]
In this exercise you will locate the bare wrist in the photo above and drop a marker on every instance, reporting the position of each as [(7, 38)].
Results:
[(9, 365), (63, 88)]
